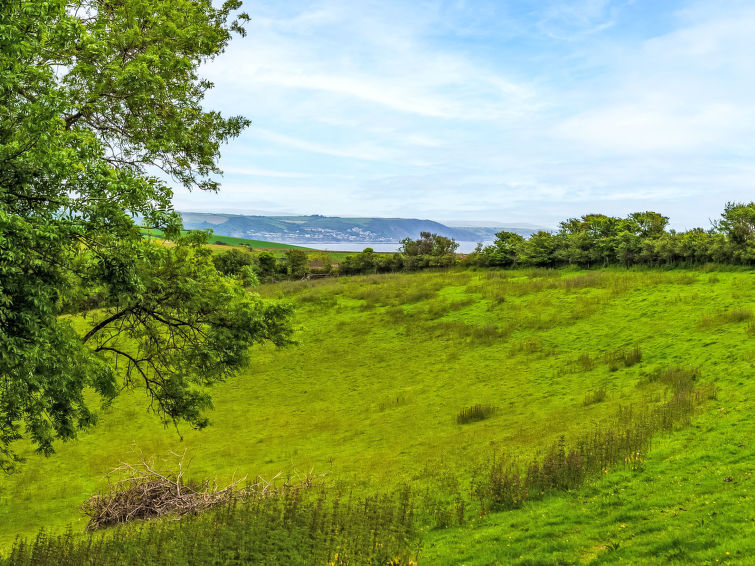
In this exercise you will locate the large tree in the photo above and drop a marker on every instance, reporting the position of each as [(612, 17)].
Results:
[(101, 111)]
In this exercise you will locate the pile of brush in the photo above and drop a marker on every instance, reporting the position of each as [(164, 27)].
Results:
[(146, 493)]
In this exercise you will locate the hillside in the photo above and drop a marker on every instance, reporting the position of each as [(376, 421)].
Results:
[(329, 229), (385, 365), (218, 242)]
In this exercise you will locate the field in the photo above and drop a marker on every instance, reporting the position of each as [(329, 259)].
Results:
[(423, 380), (219, 243)]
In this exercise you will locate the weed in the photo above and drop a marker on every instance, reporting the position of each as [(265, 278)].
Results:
[(527, 346), (596, 396), (585, 361), (626, 439), (399, 400), (476, 413), (627, 358), (316, 528), (727, 317), (677, 378)]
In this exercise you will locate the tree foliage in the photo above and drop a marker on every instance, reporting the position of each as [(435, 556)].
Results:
[(101, 108), (597, 240)]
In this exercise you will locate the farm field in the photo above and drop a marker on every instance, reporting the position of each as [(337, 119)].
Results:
[(372, 396), (219, 244)]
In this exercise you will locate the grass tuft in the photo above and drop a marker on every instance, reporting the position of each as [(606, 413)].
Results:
[(476, 413), (727, 317), (596, 396)]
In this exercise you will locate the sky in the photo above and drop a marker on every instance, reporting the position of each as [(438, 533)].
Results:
[(495, 112)]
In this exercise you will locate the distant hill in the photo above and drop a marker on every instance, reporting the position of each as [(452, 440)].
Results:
[(332, 229)]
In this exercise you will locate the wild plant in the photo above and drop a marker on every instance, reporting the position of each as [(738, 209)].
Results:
[(624, 439), (398, 400), (726, 317), (295, 527), (585, 361), (627, 358), (527, 346), (596, 396), (476, 413)]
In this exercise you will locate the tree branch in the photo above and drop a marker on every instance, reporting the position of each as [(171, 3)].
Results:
[(105, 322)]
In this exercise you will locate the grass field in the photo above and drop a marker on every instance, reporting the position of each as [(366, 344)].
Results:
[(218, 242), (385, 366)]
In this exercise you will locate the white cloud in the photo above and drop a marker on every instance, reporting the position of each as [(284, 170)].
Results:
[(251, 172), (366, 151), (491, 108)]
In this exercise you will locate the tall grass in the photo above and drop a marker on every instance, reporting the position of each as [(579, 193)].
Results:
[(294, 529), (476, 413), (596, 396), (726, 317), (626, 438), (627, 358)]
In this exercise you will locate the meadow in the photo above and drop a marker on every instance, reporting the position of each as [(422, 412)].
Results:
[(217, 242), (430, 381)]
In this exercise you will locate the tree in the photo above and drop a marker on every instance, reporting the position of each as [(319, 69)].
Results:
[(738, 224), (96, 98), (506, 250), (541, 248), (321, 262), (649, 224), (268, 264), (364, 262), (430, 250), (232, 261), (296, 262)]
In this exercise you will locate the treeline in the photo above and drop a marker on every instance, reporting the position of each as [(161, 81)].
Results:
[(594, 240), (597, 240)]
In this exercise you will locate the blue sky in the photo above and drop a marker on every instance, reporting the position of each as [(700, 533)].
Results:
[(505, 111)]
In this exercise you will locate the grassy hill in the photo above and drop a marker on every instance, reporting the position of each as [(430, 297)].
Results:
[(218, 242), (385, 365)]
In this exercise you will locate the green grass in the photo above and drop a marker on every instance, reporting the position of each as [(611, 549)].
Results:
[(384, 366)]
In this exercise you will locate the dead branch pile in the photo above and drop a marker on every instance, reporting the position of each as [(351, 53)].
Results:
[(147, 493)]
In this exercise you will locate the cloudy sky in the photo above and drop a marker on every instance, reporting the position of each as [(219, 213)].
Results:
[(495, 111)]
